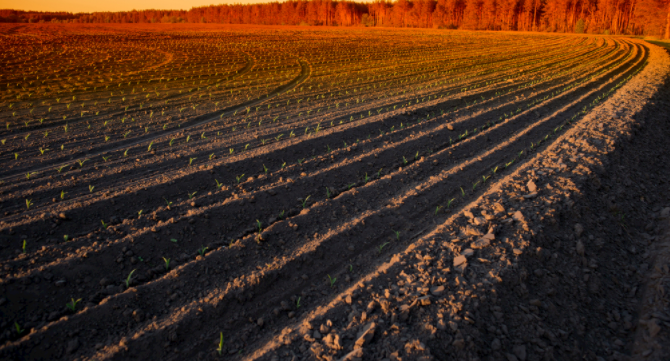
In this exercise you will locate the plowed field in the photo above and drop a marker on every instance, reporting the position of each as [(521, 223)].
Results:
[(261, 192)]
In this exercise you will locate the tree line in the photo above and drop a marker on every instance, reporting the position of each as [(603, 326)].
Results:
[(633, 17)]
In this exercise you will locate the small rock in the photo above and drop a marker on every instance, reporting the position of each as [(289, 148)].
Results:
[(520, 352), (317, 335), (355, 355), (260, 322), (324, 329), (468, 253), (495, 345), (498, 208), (285, 306), (138, 315), (579, 229), (365, 335), (62, 216), (518, 216), (580, 248), (517, 251), (450, 127), (72, 346), (436, 291), (480, 243), (531, 186), (459, 260), (511, 357)]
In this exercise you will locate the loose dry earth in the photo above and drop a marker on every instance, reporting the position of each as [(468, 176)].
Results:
[(207, 192)]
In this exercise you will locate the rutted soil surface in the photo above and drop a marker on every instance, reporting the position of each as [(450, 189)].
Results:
[(506, 221)]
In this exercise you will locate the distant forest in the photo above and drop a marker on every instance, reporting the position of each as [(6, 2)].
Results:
[(634, 17)]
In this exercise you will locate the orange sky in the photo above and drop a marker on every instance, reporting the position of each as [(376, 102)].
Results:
[(110, 5)]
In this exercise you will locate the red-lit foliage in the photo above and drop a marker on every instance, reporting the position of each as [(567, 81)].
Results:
[(647, 17)]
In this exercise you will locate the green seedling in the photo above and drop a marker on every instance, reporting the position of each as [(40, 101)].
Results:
[(104, 225), (462, 192), (171, 142), (265, 169), (211, 156), (81, 162), (449, 202), (366, 178), (90, 188), (494, 170), (23, 248), (437, 209), (301, 160), (190, 160), (351, 268), (220, 348), (379, 173), (139, 214), (191, 195), (105, 158), (72, 305), (328, 193), (404, 161), (304, 202), (166, 261), (350, 185), (259, 225), (474, 185), (239, 178), (18, 328), (62, 194), (281, 214), (416, 156), (332, 281), (380, 248), (16, 156), (149, 147), (218, 184), (297, 303), (129, 279), (397, 234), (125, 154), (202, 250), (283, 165), (29, 203), (167, 202), (173, 240), (66, 237)]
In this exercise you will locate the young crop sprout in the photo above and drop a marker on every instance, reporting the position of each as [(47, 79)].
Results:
[(29, 203), (167, 202), (380, 248), (220, 348), (173, 240), (404, 161), (139, 214), (281, 214), (166, 261), (239, 178), (191, 195), (397, 234), (437, 209), (366, 178), (149, 147), (23, 247), (104, 225), (202, 250), (90, 188), (218, 184), (328, 193), (332, 281), (18, 328), (129, 279), (449, 202), (304, 202), (297, 303), (72, 305), (211, 156)]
